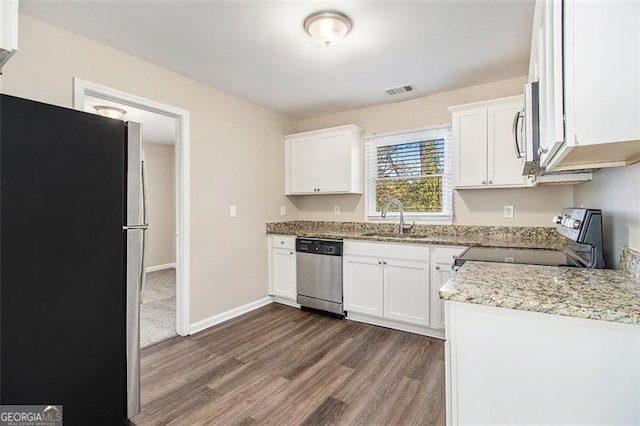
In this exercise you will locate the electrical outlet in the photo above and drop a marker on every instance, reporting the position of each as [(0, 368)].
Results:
[(283, 210), (336, 210), (508, 212), (232, 211)]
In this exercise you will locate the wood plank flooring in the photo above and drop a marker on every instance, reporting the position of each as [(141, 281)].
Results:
[(281, 366)]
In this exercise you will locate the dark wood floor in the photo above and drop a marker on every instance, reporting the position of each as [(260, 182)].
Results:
[(279, 365)]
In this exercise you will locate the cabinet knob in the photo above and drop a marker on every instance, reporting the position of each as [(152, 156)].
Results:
[(379, 262), (281, 242), (291, 252), (542, 150), (384, 262), (484, 182), (490, 182), (437, 267)]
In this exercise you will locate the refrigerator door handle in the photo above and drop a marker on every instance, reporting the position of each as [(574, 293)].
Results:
[(145, 230), (143, 264), (143, 226)]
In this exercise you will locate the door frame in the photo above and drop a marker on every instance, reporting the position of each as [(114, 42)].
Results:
[(83, 88)]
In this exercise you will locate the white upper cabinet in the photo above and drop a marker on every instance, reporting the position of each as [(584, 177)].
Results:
[(8, 29), (327, 161), (586, 56), (484, 154), (547, 54)]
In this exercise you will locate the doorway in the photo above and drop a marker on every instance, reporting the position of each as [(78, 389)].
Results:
[(84, 92)]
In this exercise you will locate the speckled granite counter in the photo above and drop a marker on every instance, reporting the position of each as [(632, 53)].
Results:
[(630, 262), (504, 236), (599, 294)]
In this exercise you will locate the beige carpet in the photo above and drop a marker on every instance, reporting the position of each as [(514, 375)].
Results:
[(158, 309)]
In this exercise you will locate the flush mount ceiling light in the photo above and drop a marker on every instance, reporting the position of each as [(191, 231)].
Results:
[(327, 26), (111, 112)]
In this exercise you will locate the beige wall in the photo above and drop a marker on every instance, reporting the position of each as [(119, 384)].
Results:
[(237, 154), (617, 192), (533, 206), (161, 199)]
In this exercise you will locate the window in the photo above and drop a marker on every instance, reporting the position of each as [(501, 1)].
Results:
[(413, 166)]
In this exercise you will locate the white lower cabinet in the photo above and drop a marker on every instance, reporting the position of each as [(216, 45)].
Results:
[(363, 285), (441, 260), (511, 367), (388, 282), (406, 291), (282, 265)]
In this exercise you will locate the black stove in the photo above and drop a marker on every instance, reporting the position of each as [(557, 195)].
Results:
[(582, 228)]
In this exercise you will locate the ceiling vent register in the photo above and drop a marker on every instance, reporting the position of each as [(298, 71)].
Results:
[(399, 90)]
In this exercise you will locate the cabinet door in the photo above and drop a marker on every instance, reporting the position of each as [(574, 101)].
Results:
[(551, 88), (503, 167), (406, 291), (442, 259), (470, 148), (606, 86), (284, 273), (303, 165), (9, 25), (335, 163), (439, 276), (362, 285)]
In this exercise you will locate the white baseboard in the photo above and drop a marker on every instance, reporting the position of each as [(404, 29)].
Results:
[(160, 267), (285, 301), (226, 316)]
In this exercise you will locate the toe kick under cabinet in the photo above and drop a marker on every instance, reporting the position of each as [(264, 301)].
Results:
[(389, 284)]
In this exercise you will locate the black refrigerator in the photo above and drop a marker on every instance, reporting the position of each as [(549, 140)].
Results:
[(72, 233)]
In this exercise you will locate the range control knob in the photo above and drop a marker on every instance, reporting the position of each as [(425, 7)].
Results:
[(557, 220), (575, 224)]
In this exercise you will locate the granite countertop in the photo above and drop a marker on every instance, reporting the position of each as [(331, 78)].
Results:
[(599, 294), (457, 235)]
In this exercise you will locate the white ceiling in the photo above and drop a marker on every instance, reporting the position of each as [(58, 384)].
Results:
[(156, 128), (258, 51)]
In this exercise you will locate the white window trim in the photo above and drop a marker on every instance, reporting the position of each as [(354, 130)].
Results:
[(405, 136)]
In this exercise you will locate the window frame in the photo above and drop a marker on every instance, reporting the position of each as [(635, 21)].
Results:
[(372, 142)]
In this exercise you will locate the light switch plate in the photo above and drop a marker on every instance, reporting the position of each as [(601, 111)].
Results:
[(232, 211), (283, 210), (336, 210)]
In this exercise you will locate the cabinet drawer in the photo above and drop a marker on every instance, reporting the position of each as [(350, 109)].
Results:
[(284, 242), (387, 250)]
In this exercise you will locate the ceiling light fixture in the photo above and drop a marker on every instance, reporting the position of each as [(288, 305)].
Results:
[(111, 112), (327, 26)]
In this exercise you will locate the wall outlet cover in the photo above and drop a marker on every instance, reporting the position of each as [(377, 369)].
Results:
[(233, 211), (336, 210), (283, 210), (508, 212)]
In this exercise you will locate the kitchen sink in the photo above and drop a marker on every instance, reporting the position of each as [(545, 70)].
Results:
[(394, 235)]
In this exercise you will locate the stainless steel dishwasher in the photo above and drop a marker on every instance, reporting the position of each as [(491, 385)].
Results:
[(319, 274)]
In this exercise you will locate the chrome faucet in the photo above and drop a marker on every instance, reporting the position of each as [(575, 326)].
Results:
[(401, 226)]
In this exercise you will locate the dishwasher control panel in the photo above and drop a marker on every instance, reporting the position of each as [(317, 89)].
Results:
[(319, 246)]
